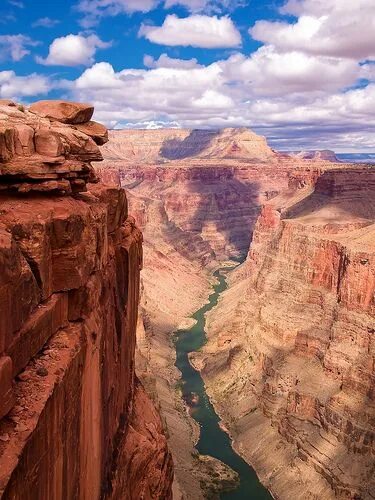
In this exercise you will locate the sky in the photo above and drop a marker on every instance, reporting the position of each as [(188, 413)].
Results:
[(300, 72)]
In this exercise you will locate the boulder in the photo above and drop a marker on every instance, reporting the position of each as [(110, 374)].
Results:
[(63, 111), (42, 154), (97, 131)]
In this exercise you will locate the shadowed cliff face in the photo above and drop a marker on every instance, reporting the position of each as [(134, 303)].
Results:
[(194, 144), (74, 420)]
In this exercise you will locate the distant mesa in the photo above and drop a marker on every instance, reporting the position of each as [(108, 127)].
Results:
[(163, 145), (325, 155)]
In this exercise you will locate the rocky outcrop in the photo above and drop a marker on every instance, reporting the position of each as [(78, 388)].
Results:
[(48, 147), (74, 420), (290, 358)]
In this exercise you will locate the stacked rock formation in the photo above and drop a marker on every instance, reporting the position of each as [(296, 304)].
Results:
[(49, 146), (74, 420)]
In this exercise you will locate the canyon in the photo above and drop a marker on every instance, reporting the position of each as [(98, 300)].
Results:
[(75, 421), (289, 363), (108, 253)]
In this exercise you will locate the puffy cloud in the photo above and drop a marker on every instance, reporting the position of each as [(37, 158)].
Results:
[(267, 72), (165, 61), (13, 86), (15, 47), (324, 27), (287, 97), (94, 10), (73, 50), (195, 31), (298, 92), (45, 22)]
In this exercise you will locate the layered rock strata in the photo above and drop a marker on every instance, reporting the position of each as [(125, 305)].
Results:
[(48, 147), (74, 420), (197, 196), (290, 358)]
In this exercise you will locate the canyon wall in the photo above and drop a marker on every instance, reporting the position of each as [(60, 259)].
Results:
[(290, 361), (75, 420), (197, 196)]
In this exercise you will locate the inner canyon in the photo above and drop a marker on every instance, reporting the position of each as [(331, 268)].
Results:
[(289, 361), (184, 314)]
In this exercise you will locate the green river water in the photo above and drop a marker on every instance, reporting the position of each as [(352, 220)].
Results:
[(213, 440)]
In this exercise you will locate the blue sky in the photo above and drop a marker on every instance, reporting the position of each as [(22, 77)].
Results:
[(300, 72)]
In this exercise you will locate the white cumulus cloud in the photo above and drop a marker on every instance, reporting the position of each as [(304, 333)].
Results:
[(73, 50), (15, 47), (15, 87), (338, 28), (195, 31)]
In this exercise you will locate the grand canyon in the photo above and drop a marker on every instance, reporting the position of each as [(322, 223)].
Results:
[(289, 358), (110, 269)]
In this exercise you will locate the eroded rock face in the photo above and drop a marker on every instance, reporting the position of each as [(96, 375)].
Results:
[(71, 407), (290, 358), (48, 147)]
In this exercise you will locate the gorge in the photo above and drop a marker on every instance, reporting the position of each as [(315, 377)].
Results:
[(290, 349)]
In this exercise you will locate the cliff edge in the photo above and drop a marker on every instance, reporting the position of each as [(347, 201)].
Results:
[(74, 420)]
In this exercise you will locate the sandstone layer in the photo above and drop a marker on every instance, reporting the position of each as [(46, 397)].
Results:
[(290, 357), (75, 421)]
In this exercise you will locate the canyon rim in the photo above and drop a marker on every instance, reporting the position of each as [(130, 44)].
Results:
[(187, 250)]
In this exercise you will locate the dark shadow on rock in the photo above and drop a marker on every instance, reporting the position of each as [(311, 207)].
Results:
[(230, 204), (193, 145)]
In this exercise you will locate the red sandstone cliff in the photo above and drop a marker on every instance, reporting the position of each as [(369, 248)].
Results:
[(75, 422), (291, 353)]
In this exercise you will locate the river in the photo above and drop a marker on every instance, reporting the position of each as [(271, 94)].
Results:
[(213, 440)]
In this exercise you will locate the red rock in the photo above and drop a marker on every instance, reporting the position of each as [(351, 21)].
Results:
[(6, 388), (97, 131), (302, 316), (25, 142), (39, 154), (63, 111), (79, 404), (48, 143), (7, 139)]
